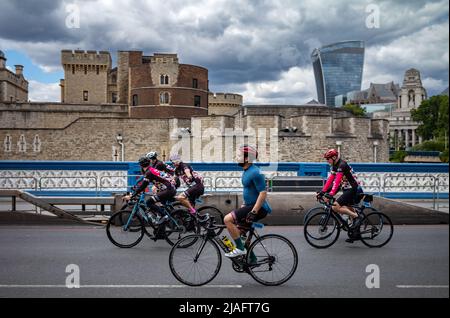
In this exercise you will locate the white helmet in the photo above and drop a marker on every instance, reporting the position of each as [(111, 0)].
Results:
[(152, 155)]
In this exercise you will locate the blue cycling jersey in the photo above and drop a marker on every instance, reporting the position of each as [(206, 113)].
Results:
[(254, 183)]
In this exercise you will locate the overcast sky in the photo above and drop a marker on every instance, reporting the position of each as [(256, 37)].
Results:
[(260, 49)]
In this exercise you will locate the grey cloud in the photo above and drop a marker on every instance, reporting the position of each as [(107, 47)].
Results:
[(237, 41)]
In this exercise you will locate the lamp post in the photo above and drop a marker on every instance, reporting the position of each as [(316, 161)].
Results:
[(375, 145), (339, 144), (119, 139)]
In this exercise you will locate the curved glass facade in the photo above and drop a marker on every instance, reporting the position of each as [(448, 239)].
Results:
[(338, 69)]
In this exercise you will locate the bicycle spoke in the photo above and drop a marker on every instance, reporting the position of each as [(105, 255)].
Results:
[(270, 268)]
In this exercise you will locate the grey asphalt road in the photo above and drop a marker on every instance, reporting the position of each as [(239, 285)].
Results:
[(34, 260)]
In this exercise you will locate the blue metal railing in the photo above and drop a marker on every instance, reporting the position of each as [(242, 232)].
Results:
[(131, 169)]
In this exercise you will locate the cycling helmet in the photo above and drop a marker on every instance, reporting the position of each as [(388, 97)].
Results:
[(175, 158), (144, 162), (152, 155), (331, 153), (249, 151)]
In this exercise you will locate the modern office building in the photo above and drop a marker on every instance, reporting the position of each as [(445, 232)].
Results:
[(338, 69)]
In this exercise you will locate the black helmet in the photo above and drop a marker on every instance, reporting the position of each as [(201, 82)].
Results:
[(144, 162)]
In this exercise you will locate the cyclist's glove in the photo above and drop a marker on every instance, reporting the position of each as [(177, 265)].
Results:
[(251, 217), (319, 195)]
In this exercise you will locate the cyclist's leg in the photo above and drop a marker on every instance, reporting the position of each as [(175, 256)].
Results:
[(343, 202), (231, 220), (151, 204), (162, 196), (189, 197)]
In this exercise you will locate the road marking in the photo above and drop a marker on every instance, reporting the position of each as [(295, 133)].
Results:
[(422, 286), (118, 286)]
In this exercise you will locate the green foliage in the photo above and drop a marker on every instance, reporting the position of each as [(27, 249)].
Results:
[(431, 145), (433, 115), (356, 110), (398, 156)]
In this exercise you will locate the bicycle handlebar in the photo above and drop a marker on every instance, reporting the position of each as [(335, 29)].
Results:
[(322, 201)]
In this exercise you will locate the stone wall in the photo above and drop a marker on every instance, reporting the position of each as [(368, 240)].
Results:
[(88, 132)]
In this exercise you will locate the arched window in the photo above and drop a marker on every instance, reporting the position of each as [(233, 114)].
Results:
[(164, 98), (164, 79), (8, 143), (22, 144), (37, 144)]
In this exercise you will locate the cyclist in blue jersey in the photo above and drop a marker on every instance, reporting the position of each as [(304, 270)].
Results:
[(255, 206)]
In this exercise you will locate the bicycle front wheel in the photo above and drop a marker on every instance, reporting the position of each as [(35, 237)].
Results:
[(213, 213), (276, 260), (321, 230), (376, 229), (123, 230), (198, 263), (311, 212)]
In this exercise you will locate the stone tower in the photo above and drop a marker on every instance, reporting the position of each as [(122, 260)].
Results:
[(13, 86), (85, 77), (412, 92)]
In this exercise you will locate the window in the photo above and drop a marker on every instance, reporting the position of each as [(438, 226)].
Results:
[(8, 143), (98, 69), (114, 98), (22, 144), (197, 100), (164, 79), (37, 144), (135, 100), (85, 96), (73, 69), (195, 83), (85, 69), (164, 98)]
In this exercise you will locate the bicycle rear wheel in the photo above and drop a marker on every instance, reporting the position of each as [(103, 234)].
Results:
[(123, 230), (276, 260), (376, 229), (197, 264), (320, 232)]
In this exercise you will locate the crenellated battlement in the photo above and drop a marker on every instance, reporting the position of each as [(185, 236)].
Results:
[(226, 99), (81, 57)]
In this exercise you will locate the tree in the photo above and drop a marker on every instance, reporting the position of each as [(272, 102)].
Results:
[(356, 110), (433, 116)]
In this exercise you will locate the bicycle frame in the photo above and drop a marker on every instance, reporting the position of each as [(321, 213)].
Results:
[(140, 206), (238, 261)]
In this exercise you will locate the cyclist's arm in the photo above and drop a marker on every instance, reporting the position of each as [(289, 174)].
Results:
[(329, 183), (260, 201), (188, 174), (337, 183), (260, 184), (141, 188)]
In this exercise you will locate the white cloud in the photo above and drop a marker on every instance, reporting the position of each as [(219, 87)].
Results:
[(434, 86), (425, 50), (43, 92), (295, 86), (250, 43)]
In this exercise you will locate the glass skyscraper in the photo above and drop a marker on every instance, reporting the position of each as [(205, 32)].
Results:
[(338, 69)]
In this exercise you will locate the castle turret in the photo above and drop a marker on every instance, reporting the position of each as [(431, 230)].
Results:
[(224, 104), (85, 76)]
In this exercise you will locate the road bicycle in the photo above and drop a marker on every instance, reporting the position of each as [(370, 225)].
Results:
[(199, 263), (323, 225)]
